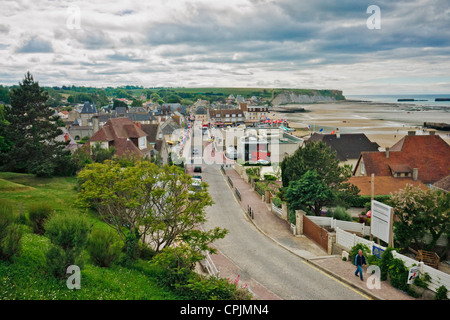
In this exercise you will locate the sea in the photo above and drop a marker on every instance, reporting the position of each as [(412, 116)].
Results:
[(419, 99)]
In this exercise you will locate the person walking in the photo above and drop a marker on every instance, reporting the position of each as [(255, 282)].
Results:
[(360, 260)]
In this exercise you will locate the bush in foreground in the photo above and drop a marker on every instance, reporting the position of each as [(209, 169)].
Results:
[(10, 233), (103, 247), (69, 234), (38, 215)]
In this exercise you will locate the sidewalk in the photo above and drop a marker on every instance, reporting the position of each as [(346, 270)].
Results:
[(279, 231)]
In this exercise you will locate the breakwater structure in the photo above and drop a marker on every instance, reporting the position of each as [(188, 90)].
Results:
[(438, 126)]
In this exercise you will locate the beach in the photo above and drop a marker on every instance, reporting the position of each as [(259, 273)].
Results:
[(383, 123)]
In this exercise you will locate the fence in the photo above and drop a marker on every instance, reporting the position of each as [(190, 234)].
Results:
[(438, 278), (345, 225), (238, 194), (315, 232), (230, 181), (250, 212), (210, 266), (277, 210)]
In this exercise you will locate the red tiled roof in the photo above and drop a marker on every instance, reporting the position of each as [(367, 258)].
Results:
[(443, 184), (119, 131), (429, 154), (384, 185)]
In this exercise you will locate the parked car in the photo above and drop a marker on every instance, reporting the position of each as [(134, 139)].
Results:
[(197, 177), (197, 169)]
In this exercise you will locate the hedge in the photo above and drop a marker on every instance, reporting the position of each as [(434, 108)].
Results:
[(360, 201)]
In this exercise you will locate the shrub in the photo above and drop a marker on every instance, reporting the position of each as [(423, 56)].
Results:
[(361, 201), (269, 177), (10, 233), (69, 234), (57, 263), (422, 281), (386, 260), (340, 214), (146, 253), (38, 215), (10, 242), (398, 274), (199, 287), (372, 260), (441, 293), (277, 202), (103, 247)]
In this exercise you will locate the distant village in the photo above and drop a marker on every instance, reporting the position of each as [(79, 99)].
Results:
[(147, 131)]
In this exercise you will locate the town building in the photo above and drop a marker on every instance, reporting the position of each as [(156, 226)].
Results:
[(122, 134), (420, 157), (348, 146)]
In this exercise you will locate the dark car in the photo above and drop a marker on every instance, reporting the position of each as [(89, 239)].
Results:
[(197, 169)]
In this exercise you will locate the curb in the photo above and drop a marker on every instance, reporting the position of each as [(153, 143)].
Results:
[(362, 290)]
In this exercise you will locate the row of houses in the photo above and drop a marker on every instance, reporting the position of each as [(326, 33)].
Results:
[(138, 131), (419, 160), (243, 113)]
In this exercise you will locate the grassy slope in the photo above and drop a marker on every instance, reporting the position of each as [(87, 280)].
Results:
[(25, 278)]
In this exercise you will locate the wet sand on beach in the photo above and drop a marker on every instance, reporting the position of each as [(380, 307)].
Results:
[(383, 123)]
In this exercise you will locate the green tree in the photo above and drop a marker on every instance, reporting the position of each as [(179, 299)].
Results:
[(4, 94), (144, 202), (418, 212), (155, 97), (119, 103), (314, 156), (321, 159), (136, 103), (5, 142), (308, 193), (31, 131), (99, 154)]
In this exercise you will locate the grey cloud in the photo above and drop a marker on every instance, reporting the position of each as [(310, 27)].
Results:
[(4, 29), (35, 45)]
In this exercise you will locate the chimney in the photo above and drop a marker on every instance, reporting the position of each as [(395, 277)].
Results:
[(432, 132), (338, 134), (66, 137), (387, 152), (415, 174), (95, 123), (411, 133)]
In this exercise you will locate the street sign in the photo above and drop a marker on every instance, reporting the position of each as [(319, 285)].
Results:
[(413, 273), (378, 252)]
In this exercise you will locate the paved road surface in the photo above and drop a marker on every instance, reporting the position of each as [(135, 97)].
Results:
[(259, 258)]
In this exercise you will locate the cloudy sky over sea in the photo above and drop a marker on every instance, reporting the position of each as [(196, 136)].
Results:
[(243, 43)]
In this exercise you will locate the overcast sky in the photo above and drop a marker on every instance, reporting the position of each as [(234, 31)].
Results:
[(244, 43)]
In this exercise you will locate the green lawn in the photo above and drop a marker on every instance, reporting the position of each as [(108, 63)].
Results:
[(25, 277)]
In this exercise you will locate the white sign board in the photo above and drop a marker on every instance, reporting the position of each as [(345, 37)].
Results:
[(413, 273), (381, 221)]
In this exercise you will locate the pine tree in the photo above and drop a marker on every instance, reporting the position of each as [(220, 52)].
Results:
[(32, 130)]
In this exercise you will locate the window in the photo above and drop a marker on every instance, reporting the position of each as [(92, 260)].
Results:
[(142, 143)]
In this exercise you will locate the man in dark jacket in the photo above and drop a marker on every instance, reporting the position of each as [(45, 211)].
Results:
[(360, 260)]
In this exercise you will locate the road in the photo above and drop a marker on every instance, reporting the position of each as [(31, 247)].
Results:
[(285, 274), (257, 257)]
